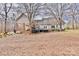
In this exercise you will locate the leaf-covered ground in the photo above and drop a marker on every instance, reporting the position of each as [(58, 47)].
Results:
[(47, 44)]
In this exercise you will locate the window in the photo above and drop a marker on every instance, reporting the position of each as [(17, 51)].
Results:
[(52, 26), (45, 26)]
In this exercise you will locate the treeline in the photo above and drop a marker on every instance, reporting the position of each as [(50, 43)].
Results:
[(59, 11)]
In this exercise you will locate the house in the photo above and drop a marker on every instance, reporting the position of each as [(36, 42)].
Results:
[(48, 24), (22, 23)]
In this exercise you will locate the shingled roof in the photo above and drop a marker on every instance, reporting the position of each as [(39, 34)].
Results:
[(48, 21)]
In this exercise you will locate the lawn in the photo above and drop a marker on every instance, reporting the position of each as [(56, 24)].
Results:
[(41, 44)]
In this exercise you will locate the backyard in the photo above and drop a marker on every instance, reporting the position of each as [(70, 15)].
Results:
[(39, 44)]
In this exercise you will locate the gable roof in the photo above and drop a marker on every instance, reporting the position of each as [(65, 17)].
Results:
[(20, 15)]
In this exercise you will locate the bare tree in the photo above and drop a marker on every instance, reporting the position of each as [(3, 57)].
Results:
[(31, 10), (57, 10), (6, 10), (15, 10), (73, 13), (6, 7)]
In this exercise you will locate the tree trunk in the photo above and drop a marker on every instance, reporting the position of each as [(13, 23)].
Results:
[(5, 26), (23, 27), (60, 24), (30, 27), (73, 27), (5, 19), (30, 22), (14, 27), (76, 24)]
